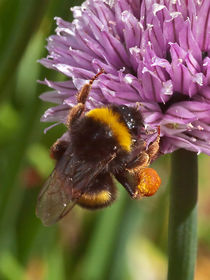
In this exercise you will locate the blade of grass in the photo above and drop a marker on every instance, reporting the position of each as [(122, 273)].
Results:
[(96, 258), (10, 268), (56, 267), (11, 193), (132, 217), (28, 20)]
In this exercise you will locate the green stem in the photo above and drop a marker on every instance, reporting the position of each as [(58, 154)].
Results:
[(183, 216)]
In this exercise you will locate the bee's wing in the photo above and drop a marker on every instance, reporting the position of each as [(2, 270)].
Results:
[(66, 184), (53, 199)]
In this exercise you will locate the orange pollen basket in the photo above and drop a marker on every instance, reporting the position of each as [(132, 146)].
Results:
[(149, 182)]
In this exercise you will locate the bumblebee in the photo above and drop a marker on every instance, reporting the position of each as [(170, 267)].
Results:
[(101, 145)]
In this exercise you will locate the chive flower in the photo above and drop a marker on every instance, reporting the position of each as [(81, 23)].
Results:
[(155, 53)]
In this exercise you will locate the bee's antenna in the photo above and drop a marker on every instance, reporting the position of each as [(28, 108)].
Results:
[(82, 96)]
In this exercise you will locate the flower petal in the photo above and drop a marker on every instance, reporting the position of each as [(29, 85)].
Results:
[(202, 26)]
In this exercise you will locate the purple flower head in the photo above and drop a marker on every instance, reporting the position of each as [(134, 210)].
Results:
[(154, 52)]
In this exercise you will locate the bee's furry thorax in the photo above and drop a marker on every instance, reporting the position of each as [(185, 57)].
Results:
[(103, 131)]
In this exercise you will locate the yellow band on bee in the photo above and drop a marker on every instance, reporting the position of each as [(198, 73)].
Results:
[(112, 119), (95, 199)]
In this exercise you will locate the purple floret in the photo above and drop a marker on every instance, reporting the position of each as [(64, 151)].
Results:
[(155, 53)]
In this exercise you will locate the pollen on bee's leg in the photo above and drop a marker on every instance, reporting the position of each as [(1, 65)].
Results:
[(148, 182)]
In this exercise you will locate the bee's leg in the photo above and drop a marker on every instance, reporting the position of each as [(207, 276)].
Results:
[(74, 114), (84, 92), (58, 149), (140, 183), (82, 96), (60, 146), (139, 162), (153, 148), (124, 179), (78, 109)]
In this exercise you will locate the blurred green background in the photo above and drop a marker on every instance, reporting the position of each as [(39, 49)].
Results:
[(125, 241)]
